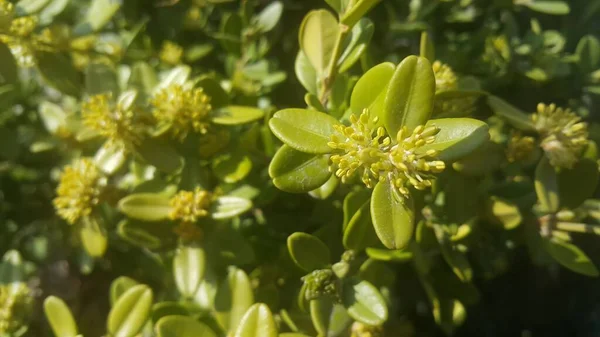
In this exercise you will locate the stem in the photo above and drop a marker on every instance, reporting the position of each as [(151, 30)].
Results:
[(332, 68), (578, 227)]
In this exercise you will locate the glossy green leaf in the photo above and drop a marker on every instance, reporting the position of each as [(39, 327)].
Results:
[(60, 318), (363, 302), (393, 216), (188, 269), (231, 30), (352, 203), (257, 322), (130, 312), (158, 235), (234, 297), (307, 131), (389, 255), (457, 138), (50, 11), (101, 78), (484, 160), (59, 72), (505, 212), (358, 10), (551, 7), (177, 75), (308, 251), (298, 172), (571, 257), (228, 207), (546, 186), (28, 7), (110, 158), (588, 51), (511, 114), (93, 237), (142, 78), (410, 95), (53, 117), (267, 19), (182, 326), (426, 47), (329, 319), (210, 86), (234, 115), (163, 309), (317, 36), (356, 45), (119, 286), (306, 73), (146, 206), (327, 189), (370, 90), (160, 154), (99, 13), (232, 167), (579, 183), (360, 234)]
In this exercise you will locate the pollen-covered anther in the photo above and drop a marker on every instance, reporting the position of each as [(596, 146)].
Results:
[(445, 78), (414, 165), (190, 206), (362, 148)]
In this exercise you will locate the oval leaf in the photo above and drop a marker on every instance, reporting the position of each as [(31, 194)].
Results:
[(457, 138), (257, 322), (234, 297), (546, 186), (328, 318), (182, 326), (146, 206), (511, 114), (307, 131), (363, 302), (317, 36), (570, 256), (308, 251), (60, 318), (298, 172), (130, 312), (228, 207), (370, 90), (188, 269), (393, 218), (234, 115), (119, 286)]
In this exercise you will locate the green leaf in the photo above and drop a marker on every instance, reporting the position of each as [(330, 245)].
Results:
[(511, 114), (551, 7), (571, 257), (29, 7), (231, 31), (546, 186), (119, 286), (101, 78), (53, 9), (228, 207), (393, 216), (130, 312), (60, 318), (235, 115), (360, 234), (306, 73), (457, 260), (257, 322), (188, 269), (505, 212), (457, 138), (182, 326), (234, 297), (308, 251), (93, 237), (370, 90), (327, 189), (484, 160), (329, 319), (267, 19), (146, 206), (297, 172), (426, 47), (357, 11), (218, 97), (143, 78), (232, 167), (109, 158), (579, 183), (352, 203), (98, 15), (356, 45), (318, 33), (389, 255), (160, 154), (53, 117), (58, 71), (158, 235), (588, 51), (307, 131), (363, 302), (410, 95)]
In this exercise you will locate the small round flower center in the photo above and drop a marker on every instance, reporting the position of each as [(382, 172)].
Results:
[(445, 79), (190, 206)]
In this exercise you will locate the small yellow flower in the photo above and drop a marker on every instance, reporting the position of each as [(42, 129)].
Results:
[(363, 330), (171, 53), (519, 147), (564, 135), (184, 109), (116, 123), (364, 149), (412, 166), (445, 79), (16, 303), (79, 190), (23, 26), (190, 206)]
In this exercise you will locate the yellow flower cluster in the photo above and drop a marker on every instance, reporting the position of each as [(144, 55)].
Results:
[(116, 123), (184, 109), (363, 330), (171, 53), (15, 307), (519, 147), (190, 206), (564, 135), (369, 151), (445, 79), (79, 190)]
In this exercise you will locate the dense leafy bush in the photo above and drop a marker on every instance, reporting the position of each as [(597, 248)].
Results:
[(254, 168)]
